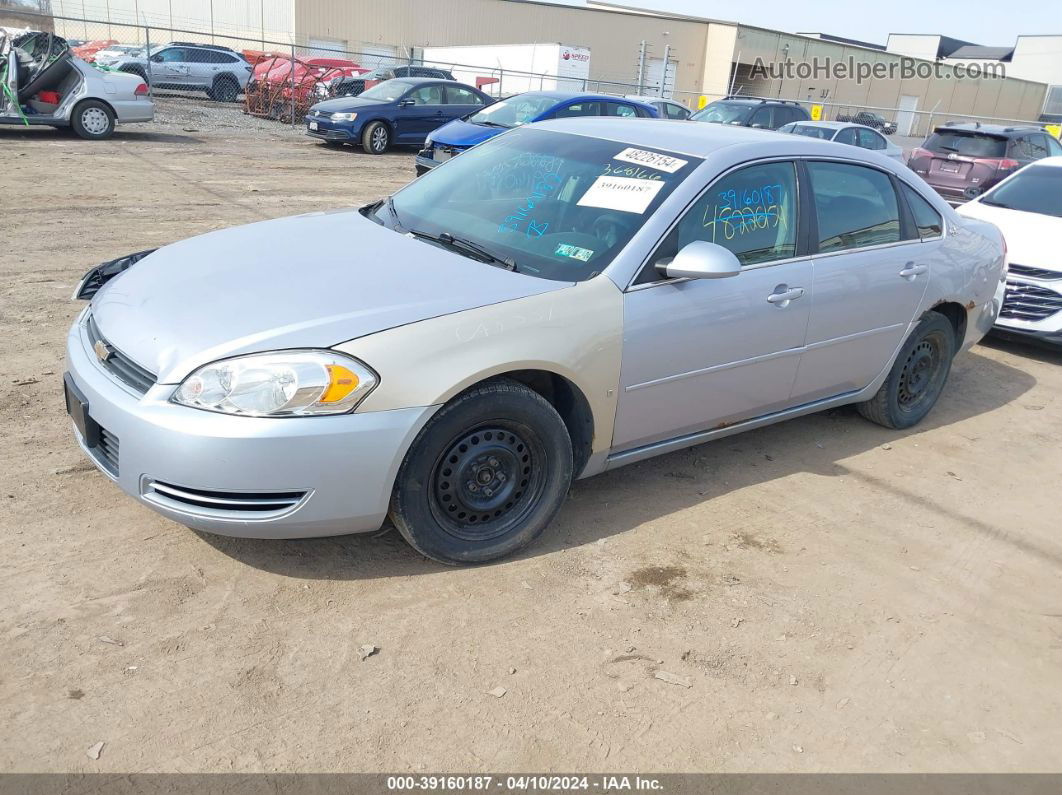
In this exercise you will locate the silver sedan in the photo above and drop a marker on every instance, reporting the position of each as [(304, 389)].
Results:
[(562, 300), (45, 84), (844, 133)]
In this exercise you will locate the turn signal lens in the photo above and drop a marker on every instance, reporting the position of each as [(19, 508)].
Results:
[(341, 382)]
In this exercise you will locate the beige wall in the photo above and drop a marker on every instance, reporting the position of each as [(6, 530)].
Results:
[(1009, 99), (613, 37)]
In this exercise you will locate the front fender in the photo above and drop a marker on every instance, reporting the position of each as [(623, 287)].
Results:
[(575, 332)]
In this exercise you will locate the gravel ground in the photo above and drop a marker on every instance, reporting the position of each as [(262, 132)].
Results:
[(821, 595)]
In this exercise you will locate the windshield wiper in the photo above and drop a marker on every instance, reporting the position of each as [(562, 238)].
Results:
[(466, 247), (390, 204), (494, 124)]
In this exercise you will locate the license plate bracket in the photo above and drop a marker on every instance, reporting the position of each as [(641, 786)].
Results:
[(78, 408)]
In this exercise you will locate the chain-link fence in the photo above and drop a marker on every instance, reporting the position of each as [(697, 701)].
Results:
[(281, 81)]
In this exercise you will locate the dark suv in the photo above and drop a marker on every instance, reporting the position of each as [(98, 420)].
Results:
[(962, 161), (353, 86), (769, 114), (869, 119)]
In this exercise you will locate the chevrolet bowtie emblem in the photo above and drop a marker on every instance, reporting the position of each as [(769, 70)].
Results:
[(103, 350)]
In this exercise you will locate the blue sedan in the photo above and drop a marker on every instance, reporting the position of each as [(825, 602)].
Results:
[(400, 111), (461, 134)]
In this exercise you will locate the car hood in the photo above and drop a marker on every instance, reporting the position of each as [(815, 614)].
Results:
[(463, 133), (309, 281), (1032, 238), (346, 104)]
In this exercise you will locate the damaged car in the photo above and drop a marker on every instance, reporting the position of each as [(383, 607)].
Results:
[(564, 299), (43, 83)]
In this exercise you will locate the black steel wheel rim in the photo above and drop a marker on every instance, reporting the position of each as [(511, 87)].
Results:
[(487, 481), (921, 373)]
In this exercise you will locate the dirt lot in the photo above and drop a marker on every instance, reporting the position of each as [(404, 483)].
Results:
[(837, 596)]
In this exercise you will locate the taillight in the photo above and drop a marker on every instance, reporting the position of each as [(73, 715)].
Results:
[(1007, 163), (920, 152), (141, 90)]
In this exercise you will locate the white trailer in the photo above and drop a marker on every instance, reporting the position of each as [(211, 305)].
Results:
[(515, 67)]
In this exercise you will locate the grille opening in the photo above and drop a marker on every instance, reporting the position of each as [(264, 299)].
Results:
[(119, 365), (1033, 273), (107, 451), (1029, 302), (240, 501)]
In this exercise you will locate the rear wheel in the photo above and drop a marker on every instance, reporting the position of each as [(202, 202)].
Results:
[(485, 476), (917, 377), (93, 120), (225, 89), (376, 138)]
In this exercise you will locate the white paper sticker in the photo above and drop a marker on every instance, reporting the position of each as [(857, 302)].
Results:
[(651, 160), (625, 194)]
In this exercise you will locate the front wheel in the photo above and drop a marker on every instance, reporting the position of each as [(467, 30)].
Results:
[(376, 138), (917, 377), (93, 120), (485, 476)]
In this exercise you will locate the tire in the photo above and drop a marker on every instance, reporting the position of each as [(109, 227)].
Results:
[(376, 138), (485, 476), (917, 377), (93, 120), (225, 89)]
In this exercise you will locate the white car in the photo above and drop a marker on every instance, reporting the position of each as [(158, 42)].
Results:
[(844, 133), (1027, 208)]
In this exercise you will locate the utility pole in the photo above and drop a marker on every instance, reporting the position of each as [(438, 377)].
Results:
[(667, 65), (641, 67)]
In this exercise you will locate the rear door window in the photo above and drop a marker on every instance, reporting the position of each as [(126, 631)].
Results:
[(868, 139), (459, 95), (619, 109), (1034, 146), (968, 144), (855, 206), (578, 109), (927, 220), (763, 118), (846, 136)]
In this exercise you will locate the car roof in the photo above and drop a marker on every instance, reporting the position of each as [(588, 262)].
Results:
[(1055, 161), (698, 139), (831, 125), (989, 129)]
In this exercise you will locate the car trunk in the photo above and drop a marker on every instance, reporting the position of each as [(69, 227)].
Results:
[(958, 160)]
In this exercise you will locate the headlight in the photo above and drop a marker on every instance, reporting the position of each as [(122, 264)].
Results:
[(279, 384), (344, 116)]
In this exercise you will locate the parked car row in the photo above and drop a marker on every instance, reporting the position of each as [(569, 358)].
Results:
[(568, 297)]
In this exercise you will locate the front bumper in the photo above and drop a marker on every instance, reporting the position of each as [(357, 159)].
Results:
[(1032, 308), (424, 164), (242, 476), (333, 131)]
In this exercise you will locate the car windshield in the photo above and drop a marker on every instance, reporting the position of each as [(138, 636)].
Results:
[(557, 206), (387, 91), (1034, 189), (514, 111), (825, 133), (723, 113), (966, 143)]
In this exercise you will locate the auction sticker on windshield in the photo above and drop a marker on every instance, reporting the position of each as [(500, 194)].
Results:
[(651, 159), (625, 194)]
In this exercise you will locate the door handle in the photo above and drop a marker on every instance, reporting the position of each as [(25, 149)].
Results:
[(782, 299), (912, 271)]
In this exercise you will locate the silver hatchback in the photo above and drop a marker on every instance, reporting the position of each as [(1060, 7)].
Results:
[(564, 299)]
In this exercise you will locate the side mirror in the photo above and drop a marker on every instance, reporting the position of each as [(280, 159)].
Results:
[(700, 260)]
